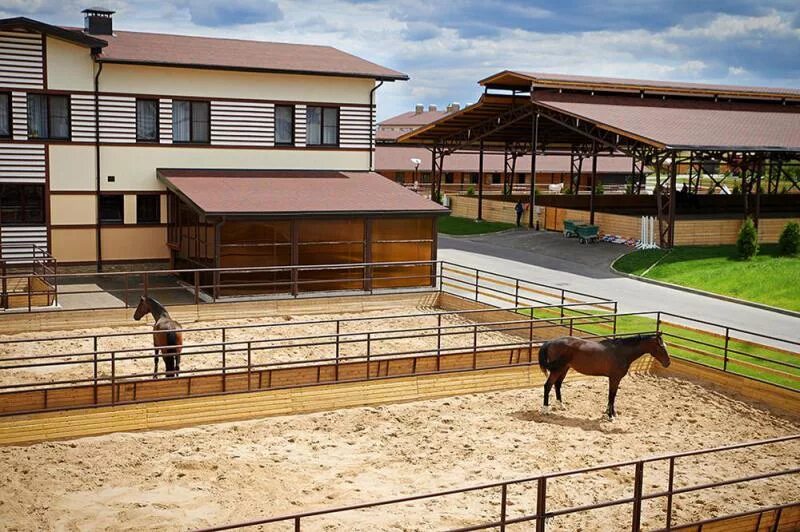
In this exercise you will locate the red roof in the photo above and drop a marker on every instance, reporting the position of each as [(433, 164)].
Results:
[(236, 54), (293, 192), (685, 124), (517, 78), (398, 158)]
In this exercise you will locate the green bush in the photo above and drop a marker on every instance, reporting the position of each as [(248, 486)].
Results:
[(747, 242), (599, 188), (470, 190), (789, 241)]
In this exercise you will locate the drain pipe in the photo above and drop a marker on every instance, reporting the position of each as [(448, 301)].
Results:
[(99, 246), (371, 124)]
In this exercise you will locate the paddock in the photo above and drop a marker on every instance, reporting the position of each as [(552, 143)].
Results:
[(223, 473)]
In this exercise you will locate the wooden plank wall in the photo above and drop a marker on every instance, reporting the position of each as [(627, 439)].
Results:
[(493, 210), (785, 519), (65, 320), (711, 232)]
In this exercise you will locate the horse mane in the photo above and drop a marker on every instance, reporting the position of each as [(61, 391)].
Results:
[(154, 304), (627, 340)]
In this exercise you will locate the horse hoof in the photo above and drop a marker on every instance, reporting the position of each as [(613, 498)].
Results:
[(562, 406), (545, 410)]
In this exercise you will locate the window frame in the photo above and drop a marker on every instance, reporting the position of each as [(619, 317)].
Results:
[(157, 220), (49, 115), (37, 221), (10, 117), (294, 125), (191, 121), (100, 219), (158, 121), (322, 142)]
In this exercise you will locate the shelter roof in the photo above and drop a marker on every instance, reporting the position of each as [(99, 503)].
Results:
[(272, 193)]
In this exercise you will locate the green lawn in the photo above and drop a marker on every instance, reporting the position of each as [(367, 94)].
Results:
[(685, 343), (767, 278), (453, 225)]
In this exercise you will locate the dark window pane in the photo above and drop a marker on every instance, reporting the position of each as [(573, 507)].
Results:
[(314, 125), (148, 208), (111, 209), (200, 132), (284, 124), (147, 120), (181, 112), (37, 116), (449, 178), (21, 204), (330, 126), (495, 179), (59, 117), (10, 203), (5, 115)]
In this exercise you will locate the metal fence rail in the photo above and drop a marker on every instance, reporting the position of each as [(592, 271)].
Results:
[(544, 511)]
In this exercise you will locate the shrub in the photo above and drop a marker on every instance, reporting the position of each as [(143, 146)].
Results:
[(736, 189), (789, 241), (747, 242), (599, 188), (470, 190)]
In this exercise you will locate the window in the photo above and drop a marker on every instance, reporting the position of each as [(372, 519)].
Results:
[(322, 126), (473, 178), (190, 121), (48, 116), (147, 120), (21, 204), (520, 178), (148, 208), (112, 209), (5, 114), (399, 177), (449, 178), (495, 179), (284, 125)]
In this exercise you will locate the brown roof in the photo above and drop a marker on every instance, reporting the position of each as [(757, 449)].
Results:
[(235, 54), (682, 124), (413, 118), (293, 192), (520, 79), (398, 159)]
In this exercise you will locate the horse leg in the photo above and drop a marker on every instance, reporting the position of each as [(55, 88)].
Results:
[(169, 361), (547, 386), (560, 380), (155, 366), (613, 385)]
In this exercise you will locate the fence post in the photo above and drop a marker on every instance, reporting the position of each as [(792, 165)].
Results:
[(671, 481), (146, 283), (475, 346), (571, 325), (296, 524), (503, 498), (249, 369), (438, 341), (224, 357), (563, 300), (541, 503), (196, 287), (516, 293), (368, 354), (725, 357), (337, 350), (638, 481), (94, 343), (113, 377), (530, 338), (127, 287), (477, 280), (616, 309)]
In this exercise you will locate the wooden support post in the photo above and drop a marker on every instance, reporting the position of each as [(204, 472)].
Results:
[(670, 487), (541, 503), (480, 182), (503, 500), (532, 201), (593, 183), (638, 483)]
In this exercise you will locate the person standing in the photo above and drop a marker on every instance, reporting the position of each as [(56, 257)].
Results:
[(520, 209)]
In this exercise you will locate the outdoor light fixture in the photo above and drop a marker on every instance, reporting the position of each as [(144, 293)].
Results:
[(416, 162)]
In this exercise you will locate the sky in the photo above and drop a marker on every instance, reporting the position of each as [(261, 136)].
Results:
[(447, 46)]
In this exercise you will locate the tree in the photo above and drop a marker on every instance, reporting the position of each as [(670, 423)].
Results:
[(789, 241), (747, 242)]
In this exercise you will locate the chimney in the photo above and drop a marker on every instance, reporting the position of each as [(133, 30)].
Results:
[(431, 107), (419, 109), (456, 106), (97, 21)]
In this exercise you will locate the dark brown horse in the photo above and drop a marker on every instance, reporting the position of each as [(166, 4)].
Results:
[(610, 358), (167, 337)]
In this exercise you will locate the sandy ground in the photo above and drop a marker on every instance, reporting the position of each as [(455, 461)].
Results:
[(225, 473), (281, 342)]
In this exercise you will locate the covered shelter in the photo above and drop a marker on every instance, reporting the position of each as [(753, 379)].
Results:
[(754, 131), (220, 219)]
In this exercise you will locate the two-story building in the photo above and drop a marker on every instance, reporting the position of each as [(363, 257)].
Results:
[(100, 129)]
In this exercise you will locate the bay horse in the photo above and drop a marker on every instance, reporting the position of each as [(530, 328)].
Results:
[(167, 337), (610, 358)]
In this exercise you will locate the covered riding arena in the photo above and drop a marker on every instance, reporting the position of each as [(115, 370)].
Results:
[(742, 143), (292, 404)]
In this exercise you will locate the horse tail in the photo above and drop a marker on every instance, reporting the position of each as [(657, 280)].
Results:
[(543, 362), (172, 342)]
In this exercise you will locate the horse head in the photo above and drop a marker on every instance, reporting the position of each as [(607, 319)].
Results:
[(659, 350), (142, 309)]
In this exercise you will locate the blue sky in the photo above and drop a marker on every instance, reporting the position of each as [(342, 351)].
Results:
[(446, 46)]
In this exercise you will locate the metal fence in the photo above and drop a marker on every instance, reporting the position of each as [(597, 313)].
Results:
[(544, 510)]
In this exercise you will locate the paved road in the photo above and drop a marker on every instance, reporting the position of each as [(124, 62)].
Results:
[(549, 258)]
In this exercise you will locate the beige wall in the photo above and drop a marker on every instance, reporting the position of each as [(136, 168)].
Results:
[(129, 213), (73, 209), (73, 245), (227, 84), (72, 167), (135, 167), (69, 66), (134, 243)]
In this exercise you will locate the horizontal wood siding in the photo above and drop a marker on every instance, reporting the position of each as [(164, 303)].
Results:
[(493, 210), (354, 126), (117, 119), (300, 125), (712, 232), (82, 117), (21, 235), (165, 121), (21, 60), (242, 123), (19, 118), (22, 163)]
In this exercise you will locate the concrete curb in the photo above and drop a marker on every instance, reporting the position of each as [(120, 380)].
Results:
[(702, 292), (503, 232)]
